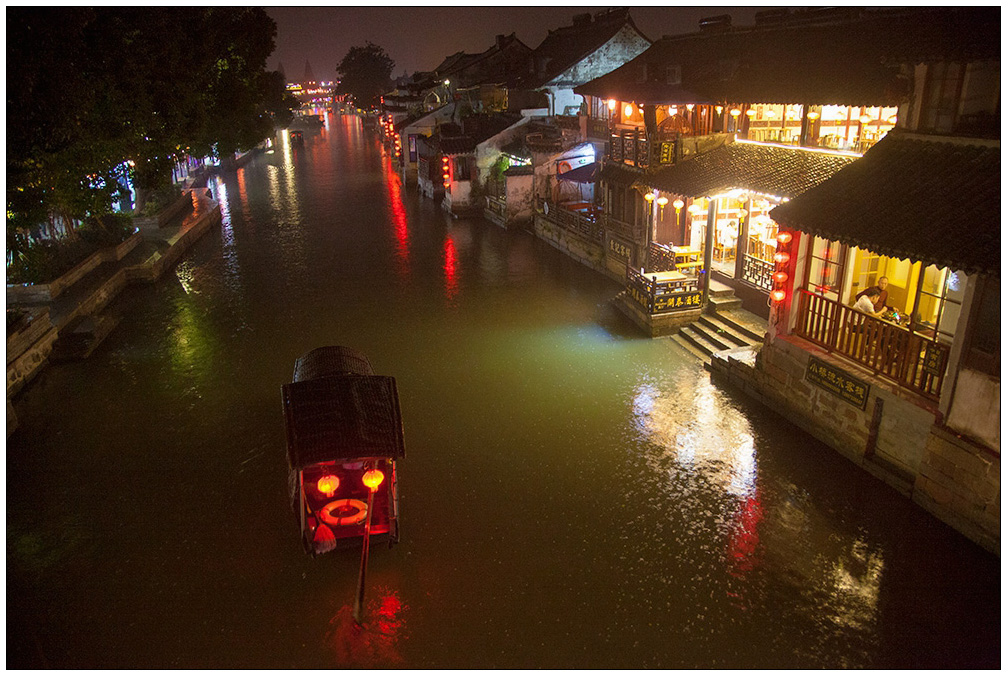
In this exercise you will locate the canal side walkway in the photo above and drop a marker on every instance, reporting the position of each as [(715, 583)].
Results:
[(66, 319)]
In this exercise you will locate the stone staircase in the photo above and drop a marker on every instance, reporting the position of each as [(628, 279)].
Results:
[(723, 326)]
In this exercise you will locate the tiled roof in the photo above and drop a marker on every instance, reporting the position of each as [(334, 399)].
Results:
[(783, 171), (568, 45), (932, 200), (477, 130), (614, 173), (854, 62)]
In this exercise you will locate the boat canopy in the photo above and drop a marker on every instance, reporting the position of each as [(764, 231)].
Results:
[(337, 408)]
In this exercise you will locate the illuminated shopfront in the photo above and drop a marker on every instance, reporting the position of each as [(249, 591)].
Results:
[(926, 299)]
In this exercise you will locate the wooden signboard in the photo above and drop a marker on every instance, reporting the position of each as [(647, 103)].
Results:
[(837, 382), (932, 360), (666, 154), (678, 301)]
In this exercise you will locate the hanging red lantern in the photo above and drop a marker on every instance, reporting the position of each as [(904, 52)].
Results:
[(783, 237), (327, 485), (781, 257), (373, 478), (778, 295), (780, 277)]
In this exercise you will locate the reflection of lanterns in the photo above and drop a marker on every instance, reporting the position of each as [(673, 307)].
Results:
[(327, 485), (373, 478), (628, 110), (612, 104)]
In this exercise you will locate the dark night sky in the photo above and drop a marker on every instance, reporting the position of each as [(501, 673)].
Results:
[(419, 38)]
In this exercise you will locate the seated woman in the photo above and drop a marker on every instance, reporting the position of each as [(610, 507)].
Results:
[(867, 300)]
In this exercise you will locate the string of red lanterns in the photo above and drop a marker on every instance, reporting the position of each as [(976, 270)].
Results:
[(780, 275)]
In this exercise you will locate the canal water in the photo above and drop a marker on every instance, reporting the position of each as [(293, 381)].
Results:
[(573, 495)]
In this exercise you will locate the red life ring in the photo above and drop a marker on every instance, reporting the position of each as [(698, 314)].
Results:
[(341, 517), (563, 167)]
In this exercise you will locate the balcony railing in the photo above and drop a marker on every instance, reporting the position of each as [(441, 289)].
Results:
[(758, 272), (663, 292), (575, 222), (497, 206), (622, 228), (907, 358)]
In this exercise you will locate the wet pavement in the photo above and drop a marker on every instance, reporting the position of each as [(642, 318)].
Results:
[(573, 495)]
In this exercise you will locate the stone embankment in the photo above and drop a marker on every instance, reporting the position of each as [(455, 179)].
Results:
[(63, 318), (895, 436)]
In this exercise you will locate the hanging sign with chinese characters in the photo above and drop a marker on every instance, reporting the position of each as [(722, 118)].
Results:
[(932, 360), (837, 382)]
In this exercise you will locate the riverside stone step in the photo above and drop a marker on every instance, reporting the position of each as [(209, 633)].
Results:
[(721, 332), (688, 346), (744, 324), (82, 336), (699, 340)]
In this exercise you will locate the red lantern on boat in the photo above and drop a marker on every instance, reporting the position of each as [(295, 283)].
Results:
[(373, 478), (327, 485)]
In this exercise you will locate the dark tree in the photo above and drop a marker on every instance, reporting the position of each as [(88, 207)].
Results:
[(365, 73), (89, 89)]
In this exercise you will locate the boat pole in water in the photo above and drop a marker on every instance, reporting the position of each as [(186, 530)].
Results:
[(372, 479)]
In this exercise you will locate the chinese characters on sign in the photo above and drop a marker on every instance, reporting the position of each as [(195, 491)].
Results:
[(665, 155), (932, 360), (837, 382), (678, 301), (620, 249)]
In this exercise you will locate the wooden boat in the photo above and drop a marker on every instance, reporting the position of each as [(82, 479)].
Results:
[(343, 425)]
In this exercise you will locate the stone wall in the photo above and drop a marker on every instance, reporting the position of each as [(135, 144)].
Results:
[(586, 252), (960, 483), (955, 480), (45, 293)]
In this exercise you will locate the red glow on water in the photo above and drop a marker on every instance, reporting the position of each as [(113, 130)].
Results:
[(375, 642), (745, 538), (399, 222), (241, 190), (450, 268)]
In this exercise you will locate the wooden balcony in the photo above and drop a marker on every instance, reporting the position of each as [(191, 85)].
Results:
[(580, 221), (893, 352)]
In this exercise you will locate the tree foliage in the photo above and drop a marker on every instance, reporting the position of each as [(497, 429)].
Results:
[(91, 88), (365, 73)]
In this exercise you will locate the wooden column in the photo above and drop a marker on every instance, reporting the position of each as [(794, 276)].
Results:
[(708, 253)]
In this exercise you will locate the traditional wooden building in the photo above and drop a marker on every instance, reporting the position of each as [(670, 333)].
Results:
[(911, 394)]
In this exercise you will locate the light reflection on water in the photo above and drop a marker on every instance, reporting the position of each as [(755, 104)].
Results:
[(572, 496)]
